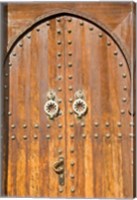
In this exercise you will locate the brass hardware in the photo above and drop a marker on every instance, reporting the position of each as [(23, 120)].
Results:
[(10, 64), (119, 124), (35, 136), (70, 53), (48, 23), (70, 20), (120, 64), (48, 137), (70, 100), (131, 123), (70, 64), (6, 98), (13, 126), (70, 76), (124, 75), (60, 136), (84, 136), (132, 150), (6, 74), (59, 100), (59, 31), (58, 20), (71, 112), (100, 35), (59, 65), (60, 151), (14, 54), (131, 135), (60, 189), (59, 54), (72, 150), (36, 126), (59, 78), (24, 126), (25, 137), (70, 87), (51, 107), (37, 29), (108, 43), (72, 176), (120, 135), (71, 125), (125, 87), (69, 31), (58, 168), (79, 106), (81, 23), (59, 89), (48, 125), (28, 36), (72, 189), (60, 125), (72, 136), (82, 124), (21, 45), (59, 42), (124, 99), (5, 86), (107, 135), (72, 163), (107, 124), (91, 28), (9, 113), (96, 135), (13, 137), (122, 111), (115, 53), (70, 42)]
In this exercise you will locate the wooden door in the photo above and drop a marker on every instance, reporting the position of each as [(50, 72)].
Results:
[(70, 128)]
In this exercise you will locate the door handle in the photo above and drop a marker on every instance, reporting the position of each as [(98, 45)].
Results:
[(58, 168)]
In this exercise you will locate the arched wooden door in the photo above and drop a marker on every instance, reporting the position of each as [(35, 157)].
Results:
[(70, 132)]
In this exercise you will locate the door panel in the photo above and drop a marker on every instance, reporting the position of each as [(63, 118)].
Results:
[(78, 61)]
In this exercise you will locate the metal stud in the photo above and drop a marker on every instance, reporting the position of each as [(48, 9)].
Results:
[(107, 135), (72, 136), (60, 112), (120, 135), (13, 137), (70, 100), (24, 126), (107, 124), (60, 125), (6, 98), (96, 135), (91, 28), (69, 42), (124, 75), (72, 163), (131, 123), (59, 78), (69, 31), (35, 137), (59, 65), (71, 125), (70, 19), (5, 86), (131, 135), (108, 43), (59, 89), (72, 150), (132, 150), (59, 31), (6, 74), (25, 137), (60, 151), (60, 137), (47, 23), (70, 53), (21, 45), (81, 23), (96, 124), (58, 20), (60, 189), (115, 53), (47, 136), (119, 124), (9, 113), (70, 87), (10, 64), (124, 99), (120, 64), (59, 42), (28, 36), (14, 54), (122, 111), (72, 176), (48, 125), (59, 100), (36, 126), (125, 87), (72, 189), (37, 29), (71, 112), (83, 135), (59, 54), (70, 64), (100, 35), (82, 124), (13, 126), (70, 76)]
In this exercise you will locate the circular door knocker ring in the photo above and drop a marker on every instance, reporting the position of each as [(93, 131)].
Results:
[(80, 107), (51, 107)]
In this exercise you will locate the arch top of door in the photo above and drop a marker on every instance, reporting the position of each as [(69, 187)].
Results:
[(73, 13)]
